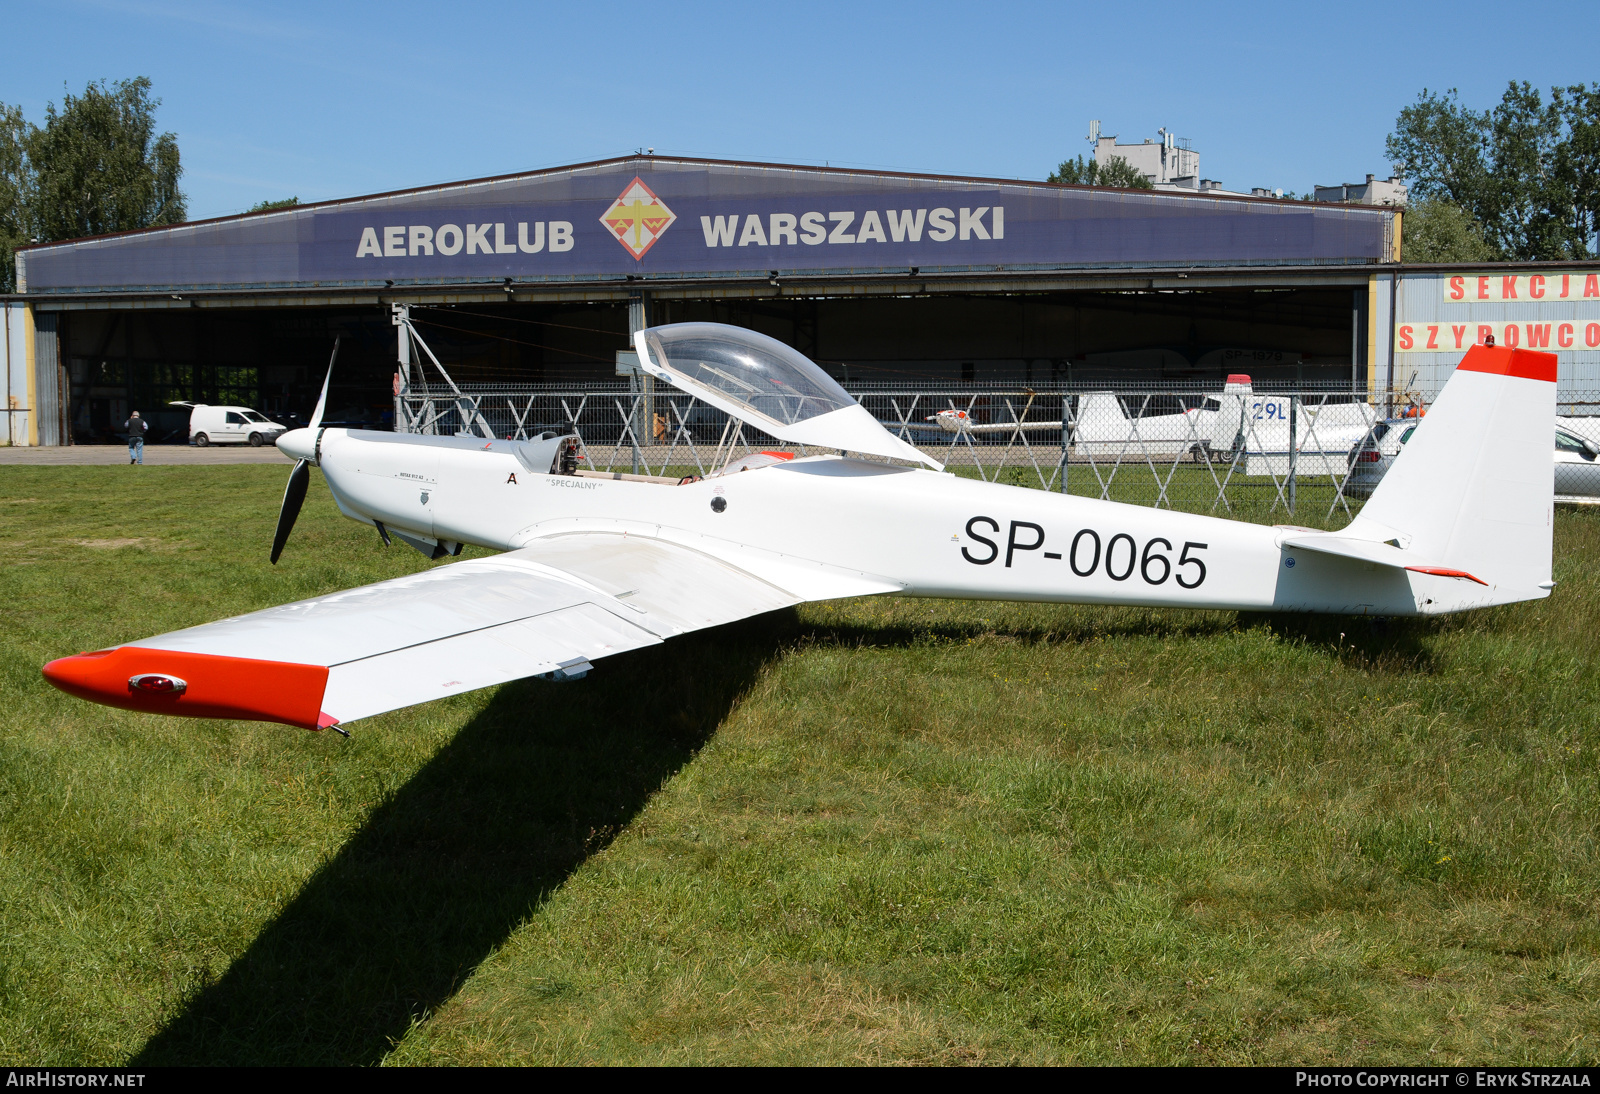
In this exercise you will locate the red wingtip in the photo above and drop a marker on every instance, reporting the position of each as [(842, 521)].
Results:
[(213, 686), (1505, 361)]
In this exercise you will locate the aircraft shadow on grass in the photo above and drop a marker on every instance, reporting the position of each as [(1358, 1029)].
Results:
[(1403, 644), (1391, 645), (444, 871)]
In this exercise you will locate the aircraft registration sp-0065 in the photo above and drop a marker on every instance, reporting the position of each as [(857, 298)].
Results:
[(597, 563)]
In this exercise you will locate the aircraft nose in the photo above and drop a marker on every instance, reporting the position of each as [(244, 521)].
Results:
[(298, 444)]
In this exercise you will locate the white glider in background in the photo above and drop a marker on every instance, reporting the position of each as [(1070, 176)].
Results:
[(1235, 423), (596, 563)]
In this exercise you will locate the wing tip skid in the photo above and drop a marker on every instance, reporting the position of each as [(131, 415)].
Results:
[(210, 685)]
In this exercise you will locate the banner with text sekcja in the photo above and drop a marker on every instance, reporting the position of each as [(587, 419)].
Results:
[(1545, 309)]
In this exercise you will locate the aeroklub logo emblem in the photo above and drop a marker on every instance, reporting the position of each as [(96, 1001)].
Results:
[(637, 218)]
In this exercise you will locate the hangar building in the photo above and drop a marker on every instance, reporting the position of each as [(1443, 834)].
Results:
[(531, 279)]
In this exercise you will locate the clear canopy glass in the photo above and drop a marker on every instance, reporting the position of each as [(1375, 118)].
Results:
[(759, 373)]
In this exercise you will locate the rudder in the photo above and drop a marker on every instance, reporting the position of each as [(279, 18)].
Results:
[(1474, 487)]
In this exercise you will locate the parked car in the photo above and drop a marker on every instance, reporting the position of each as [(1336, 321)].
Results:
[(1577, 473), (210, 425), (1587, 428), (1577, 462), (1371, 457)]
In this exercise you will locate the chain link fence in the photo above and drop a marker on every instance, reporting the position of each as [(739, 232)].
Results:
[(1299, 455)]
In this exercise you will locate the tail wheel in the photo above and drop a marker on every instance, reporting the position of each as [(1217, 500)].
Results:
[(255, 440), (202, 441)]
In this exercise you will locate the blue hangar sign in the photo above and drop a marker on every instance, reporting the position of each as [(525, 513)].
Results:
[(671, 218)]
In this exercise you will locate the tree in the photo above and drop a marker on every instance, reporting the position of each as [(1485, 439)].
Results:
[(14, 192), (269, 206), (1117, 172), (1523, 134), (1441, 145), (1078, 172), (99, 166), (1437, 230), (1526, 172), (1577, 160), (1120, 173)]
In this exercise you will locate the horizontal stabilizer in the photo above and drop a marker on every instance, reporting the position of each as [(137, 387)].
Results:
[(1384, 554), (1381, 554)]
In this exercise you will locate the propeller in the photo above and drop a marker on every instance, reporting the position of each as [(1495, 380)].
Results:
[(294, 494), (322, 400)]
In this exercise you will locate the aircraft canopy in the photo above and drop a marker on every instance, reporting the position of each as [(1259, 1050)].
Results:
[(771, 386)]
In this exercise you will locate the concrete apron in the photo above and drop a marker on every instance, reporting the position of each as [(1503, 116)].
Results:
[(157, 455)]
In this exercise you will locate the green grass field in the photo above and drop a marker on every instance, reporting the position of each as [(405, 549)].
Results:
[(879, 830)]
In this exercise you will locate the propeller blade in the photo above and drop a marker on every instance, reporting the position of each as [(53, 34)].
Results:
[(322, 400), (294, 496)]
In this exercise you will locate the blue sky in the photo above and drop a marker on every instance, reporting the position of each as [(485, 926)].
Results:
[(325, 100)]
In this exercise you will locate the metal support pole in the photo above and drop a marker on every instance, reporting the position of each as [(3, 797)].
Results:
[(465, 408), (638, 320), (11, 418), (1065, 438), (400, 316), (1394, 290), (633, 418), (1355, 340), (402, 370), (64, 383), (1294, 444)]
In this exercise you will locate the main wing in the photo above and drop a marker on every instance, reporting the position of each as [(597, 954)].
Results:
[(553, 606)]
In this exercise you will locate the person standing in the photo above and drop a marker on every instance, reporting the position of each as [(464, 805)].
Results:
[(137, 427)]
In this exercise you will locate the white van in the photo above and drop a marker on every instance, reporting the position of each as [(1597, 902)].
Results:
[(210, 425)]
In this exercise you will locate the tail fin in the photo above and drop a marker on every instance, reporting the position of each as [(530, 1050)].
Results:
[(1472, 492)]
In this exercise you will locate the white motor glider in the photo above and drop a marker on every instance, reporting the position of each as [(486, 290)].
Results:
[(597, 563)]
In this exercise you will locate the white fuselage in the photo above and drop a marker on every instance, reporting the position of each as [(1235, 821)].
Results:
[(872, 526)]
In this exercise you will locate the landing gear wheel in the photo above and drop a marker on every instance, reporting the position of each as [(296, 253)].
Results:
[(255, 440), (202, 441)]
